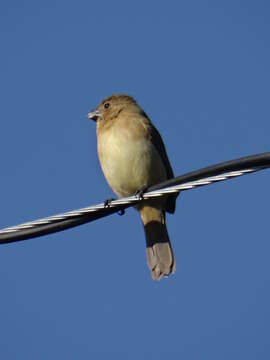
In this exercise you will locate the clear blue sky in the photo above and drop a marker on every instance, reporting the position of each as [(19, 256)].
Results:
[(201, 70)]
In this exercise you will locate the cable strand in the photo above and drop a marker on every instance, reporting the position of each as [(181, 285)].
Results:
[(195, 179)]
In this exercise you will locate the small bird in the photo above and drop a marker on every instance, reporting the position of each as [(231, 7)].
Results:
[(133, 157)]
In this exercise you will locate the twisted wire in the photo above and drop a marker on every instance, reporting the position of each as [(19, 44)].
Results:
[(203, 177)]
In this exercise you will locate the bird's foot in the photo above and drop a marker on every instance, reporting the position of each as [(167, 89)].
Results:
[(141, 192), (107, 204)]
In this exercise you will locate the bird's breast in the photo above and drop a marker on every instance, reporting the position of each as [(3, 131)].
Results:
[(129, 161)]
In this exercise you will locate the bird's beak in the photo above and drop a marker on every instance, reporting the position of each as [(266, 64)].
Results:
[(94, 115)]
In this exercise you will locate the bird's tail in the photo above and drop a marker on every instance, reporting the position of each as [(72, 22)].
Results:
[(159, 253)]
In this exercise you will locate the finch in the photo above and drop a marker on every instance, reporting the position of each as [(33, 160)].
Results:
[(133, 157)]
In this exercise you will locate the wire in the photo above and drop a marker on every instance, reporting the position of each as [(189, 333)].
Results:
[(206, 176)]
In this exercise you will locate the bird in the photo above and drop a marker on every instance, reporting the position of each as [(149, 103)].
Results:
[(133, 157)]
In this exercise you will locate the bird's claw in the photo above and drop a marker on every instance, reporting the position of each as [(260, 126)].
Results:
[(141, 192), (107, 202)]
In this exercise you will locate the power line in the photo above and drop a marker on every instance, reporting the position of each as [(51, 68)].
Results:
[(206, 176)]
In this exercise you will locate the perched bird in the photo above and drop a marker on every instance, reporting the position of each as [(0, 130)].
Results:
[(133, 157)]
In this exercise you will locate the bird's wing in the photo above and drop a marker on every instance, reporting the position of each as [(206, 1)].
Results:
[(158, 143)]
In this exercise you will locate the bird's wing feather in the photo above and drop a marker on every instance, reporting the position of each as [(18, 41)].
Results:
[(158, 143)]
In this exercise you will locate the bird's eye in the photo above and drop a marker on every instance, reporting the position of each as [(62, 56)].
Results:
[(106, 105)]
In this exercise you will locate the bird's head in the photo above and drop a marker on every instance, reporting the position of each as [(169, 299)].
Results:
[(112, 106)]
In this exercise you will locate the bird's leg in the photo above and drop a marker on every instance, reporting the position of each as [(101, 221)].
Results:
[(140, 193), (107, 204)]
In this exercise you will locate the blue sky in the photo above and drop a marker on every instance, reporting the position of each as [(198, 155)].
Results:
[(201, 71)]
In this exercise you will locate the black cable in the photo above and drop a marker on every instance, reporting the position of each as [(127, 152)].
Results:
[(258, 161), (76, 218)]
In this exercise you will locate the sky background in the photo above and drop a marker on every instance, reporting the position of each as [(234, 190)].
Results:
[(201, 70)]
